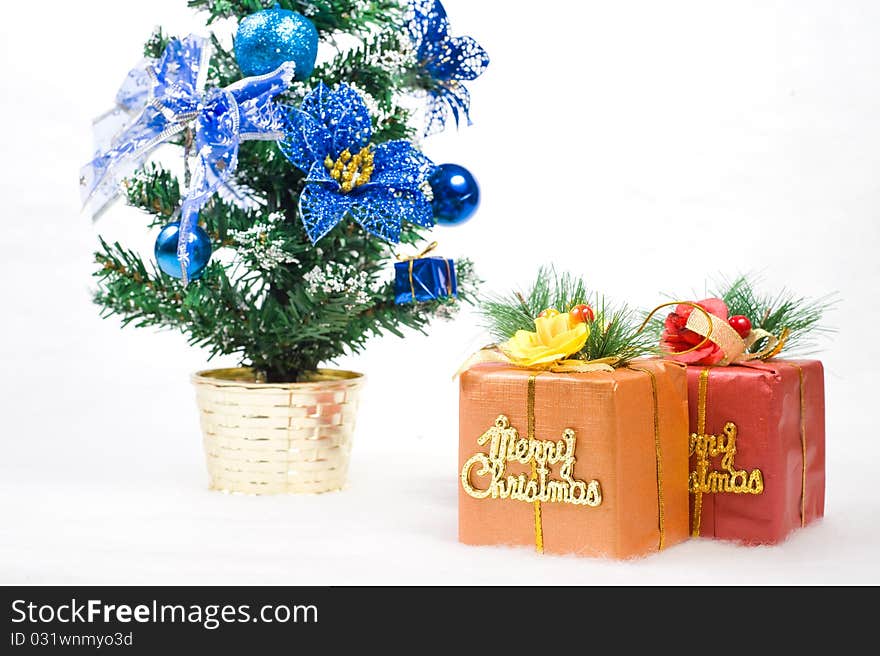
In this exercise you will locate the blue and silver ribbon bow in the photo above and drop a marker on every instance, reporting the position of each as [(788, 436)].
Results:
[(163, 97)]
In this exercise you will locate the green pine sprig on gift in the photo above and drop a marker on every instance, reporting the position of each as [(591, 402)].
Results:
[(614, 332), (776, 312), (505, 314)]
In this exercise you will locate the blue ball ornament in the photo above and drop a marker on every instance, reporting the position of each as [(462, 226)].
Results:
[(268, 38), (456, 194), (166, 251)]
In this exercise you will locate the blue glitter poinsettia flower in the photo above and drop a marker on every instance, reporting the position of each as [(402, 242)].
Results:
[(446, 61), (379, 186)]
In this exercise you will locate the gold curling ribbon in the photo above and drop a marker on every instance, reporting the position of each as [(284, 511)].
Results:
[(658, 457), (412, 258), (714, 329), (703, 312), (777, 346), (702, 394), (539, 524), (803, 445)]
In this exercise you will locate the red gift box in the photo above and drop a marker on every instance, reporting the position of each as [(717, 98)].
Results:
[(757, 449)]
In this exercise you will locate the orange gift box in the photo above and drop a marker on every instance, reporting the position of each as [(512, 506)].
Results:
[(594, 464), (757, 449)]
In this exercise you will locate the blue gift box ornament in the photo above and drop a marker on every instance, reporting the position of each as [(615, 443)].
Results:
[(419, 278)]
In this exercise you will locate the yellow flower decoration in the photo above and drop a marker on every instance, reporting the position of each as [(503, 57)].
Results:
[(556, 337)]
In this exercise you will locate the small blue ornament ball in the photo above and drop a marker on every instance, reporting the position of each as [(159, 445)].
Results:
[(456, 194), (268, 38), (166, 251)]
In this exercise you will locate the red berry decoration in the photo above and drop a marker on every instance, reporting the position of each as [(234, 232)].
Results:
[(741, 325), (582, 313)]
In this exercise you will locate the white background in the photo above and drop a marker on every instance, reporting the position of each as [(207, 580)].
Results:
[(645, 145)]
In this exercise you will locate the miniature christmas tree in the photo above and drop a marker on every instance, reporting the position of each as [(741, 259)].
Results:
[(306, 181)]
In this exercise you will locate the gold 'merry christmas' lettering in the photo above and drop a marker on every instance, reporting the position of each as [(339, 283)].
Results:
[(505, 445), (705, 480)]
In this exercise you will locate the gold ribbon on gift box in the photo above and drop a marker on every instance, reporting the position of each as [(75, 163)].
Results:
[(411, 259), (494, 353), (736, 351)]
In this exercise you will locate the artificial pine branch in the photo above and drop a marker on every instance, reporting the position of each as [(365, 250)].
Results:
[(617, 333), (784, 310), (224, 70), (155, 45), (154, 190)]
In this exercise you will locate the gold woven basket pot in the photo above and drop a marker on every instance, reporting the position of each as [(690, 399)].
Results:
[(277, 438)]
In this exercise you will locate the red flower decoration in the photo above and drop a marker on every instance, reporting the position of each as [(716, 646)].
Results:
[(677, 338)]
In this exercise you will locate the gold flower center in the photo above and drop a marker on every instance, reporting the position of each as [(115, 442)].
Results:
[(351, 171)]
